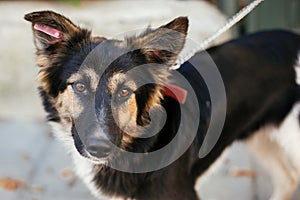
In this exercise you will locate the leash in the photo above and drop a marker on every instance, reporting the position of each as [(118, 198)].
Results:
[(230, 23)]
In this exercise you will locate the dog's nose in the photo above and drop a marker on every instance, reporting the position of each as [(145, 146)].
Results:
[(98, 148)]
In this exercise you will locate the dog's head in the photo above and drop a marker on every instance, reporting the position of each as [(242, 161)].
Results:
[(104, 91)]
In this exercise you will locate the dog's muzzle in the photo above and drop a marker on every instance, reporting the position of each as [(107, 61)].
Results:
[(92, 146), (98, 148)]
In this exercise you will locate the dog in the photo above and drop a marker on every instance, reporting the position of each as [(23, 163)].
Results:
[(102, 95)]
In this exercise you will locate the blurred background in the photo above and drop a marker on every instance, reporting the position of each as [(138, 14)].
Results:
[(35, 166)]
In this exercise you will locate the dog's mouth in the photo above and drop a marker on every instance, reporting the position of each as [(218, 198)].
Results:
[(83, 151)]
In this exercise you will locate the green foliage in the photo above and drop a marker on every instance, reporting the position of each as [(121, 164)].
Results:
[(75, 3)]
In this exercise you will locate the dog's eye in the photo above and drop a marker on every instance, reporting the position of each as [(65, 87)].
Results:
[(80, 87), (125, 92)]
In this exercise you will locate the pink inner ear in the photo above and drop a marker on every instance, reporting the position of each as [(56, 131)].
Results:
[(175, 92), (47, 30)]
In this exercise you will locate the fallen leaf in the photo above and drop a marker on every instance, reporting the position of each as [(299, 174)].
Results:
[(25, 157), (50, 135), (243, 173), (38, 188), (11, 184), (72, 182), (66, 173)]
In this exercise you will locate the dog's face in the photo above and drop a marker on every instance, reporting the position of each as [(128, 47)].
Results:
[(102, 91)]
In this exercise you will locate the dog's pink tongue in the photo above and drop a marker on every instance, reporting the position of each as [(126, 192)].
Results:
[(47, 30), (175, 92)]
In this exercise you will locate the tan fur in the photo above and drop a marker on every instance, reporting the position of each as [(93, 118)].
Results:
[(126, 142), (126, 115), (86, 72), (116, 79), (43, 80), (155, 98), (127, 121), (70, 105), (155, 44), (97, 39)]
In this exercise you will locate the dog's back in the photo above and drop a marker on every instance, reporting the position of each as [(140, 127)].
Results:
[(260, 79)]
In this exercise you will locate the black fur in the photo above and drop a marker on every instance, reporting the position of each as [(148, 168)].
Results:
[(260, 85), (259, 78)]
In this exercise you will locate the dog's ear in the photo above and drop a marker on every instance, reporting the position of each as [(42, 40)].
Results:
[(54, 32), (163, 44)]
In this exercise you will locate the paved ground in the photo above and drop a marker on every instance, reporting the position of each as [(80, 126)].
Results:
[(30, 154), (33, 165)]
